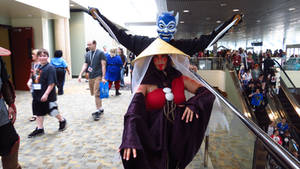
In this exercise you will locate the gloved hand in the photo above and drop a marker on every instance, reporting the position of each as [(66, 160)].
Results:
[(239, 18), (93, 11)]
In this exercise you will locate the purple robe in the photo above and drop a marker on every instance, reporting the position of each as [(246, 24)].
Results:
[(161, 144)]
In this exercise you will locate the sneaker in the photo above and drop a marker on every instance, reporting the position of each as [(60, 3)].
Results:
[(96, 115), (33, 118), (101, 112), (62, 125), (36, 132)]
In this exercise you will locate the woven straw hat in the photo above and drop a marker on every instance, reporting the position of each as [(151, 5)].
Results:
[(4, 52), (159, 47)]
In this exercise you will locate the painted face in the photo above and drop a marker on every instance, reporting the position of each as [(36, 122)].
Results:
[(166, 26), (43, 58), (160, 61)]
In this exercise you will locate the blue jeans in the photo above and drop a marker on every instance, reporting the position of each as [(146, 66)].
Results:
[(122, 77)]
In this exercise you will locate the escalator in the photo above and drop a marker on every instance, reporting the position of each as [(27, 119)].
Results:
[(287, 102), (290, 111), (260, 117), (243, 144)]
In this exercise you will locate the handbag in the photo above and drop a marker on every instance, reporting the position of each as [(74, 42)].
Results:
[(104, 90)]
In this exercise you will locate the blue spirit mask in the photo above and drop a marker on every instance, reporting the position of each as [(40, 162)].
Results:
[(166, 25)]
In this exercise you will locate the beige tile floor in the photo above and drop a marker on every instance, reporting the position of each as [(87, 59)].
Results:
[(85, 143)]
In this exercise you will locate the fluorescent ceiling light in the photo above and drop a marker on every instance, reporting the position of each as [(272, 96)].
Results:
[(181, 22), (235, 10), (186, 11), (223, 4), (292, 9), (218, 21), (72, 5), (257, 21)]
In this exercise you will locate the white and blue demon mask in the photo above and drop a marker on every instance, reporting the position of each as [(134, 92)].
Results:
[(166, 25)]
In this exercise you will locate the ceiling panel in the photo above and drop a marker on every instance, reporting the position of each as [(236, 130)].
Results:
[(261, 17), (14, 9)]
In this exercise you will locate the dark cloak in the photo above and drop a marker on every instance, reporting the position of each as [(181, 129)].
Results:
[(136, 43), (162, 144)]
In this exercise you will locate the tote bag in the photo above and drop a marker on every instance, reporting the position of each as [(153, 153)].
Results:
[(104, 90)]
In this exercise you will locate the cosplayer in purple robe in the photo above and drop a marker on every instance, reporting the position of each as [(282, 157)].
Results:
[(163, 129)]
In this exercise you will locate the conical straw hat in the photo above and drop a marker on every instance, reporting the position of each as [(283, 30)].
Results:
[(4, 52), (159, 47)]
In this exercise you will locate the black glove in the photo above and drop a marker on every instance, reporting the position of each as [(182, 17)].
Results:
[(92, 12)]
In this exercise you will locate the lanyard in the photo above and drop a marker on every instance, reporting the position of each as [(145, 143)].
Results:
[(92, 57)]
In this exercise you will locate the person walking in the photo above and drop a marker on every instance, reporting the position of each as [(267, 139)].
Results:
[(61, 67), (95, 63), (114, 66), (9, 140), (34, 65), (44, 94), (120, 52)]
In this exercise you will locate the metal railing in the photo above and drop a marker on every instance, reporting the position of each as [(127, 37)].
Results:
[(208, 63)]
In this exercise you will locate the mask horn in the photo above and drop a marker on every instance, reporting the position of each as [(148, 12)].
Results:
[(177, 18)]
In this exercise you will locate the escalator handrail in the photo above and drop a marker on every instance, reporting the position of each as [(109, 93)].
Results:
[(282, 154), (285, 73)]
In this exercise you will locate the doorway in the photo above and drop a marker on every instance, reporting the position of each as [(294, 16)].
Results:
[(21, 46)]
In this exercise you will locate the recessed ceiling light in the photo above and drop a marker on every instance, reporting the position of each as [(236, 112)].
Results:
[(72, 5), (181, 22), (257, 21), (292, 9), (223, 4), (235, 10), (218, 21), (186, 11)]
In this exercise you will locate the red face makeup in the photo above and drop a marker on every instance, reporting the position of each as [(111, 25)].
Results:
[(160, 61)]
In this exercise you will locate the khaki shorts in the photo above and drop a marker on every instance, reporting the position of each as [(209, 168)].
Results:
[(94, 86)]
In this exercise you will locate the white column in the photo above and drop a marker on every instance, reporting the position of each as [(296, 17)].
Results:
[(62, 39)]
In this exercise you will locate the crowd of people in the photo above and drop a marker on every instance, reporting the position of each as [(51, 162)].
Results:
[(280, 134), (258, 77)]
